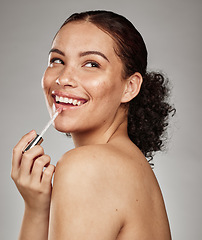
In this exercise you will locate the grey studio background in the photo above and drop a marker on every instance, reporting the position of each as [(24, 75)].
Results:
[(172, 32)]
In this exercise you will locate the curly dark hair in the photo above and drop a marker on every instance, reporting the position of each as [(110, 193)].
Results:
[(149, 114), (149, 111)]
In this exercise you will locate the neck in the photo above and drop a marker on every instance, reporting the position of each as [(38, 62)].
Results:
[(105, 134)]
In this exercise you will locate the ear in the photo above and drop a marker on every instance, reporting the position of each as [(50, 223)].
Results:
[(132, 87)]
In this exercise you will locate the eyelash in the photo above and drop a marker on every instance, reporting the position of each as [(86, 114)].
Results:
[(54, 59), (93, 63)]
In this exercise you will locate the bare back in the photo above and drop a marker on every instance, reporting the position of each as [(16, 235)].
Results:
[(144, 211)]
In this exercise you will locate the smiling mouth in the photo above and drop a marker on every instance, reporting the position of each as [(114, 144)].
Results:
[(69, 101)]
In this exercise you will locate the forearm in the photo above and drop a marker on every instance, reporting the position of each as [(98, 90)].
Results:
[(34, 225)]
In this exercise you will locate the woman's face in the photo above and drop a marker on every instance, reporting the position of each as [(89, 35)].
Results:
[(83, 78)]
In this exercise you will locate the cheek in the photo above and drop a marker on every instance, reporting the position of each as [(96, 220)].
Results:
[(107, 94), (111, 88), (47, 80), (44, 80), (101, 89), (98, 86), (46, 85)]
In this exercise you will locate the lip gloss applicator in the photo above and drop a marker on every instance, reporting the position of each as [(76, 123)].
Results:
[(38, 139)]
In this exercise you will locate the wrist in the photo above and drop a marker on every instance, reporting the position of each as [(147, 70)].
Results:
[(38, 214)]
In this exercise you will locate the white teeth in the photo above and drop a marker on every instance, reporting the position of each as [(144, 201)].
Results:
[(74, 102), (67, 100), (57, 98)]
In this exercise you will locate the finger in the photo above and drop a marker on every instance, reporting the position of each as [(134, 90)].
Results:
[(17, 151), (38, 166), (29, 158), (47, 175)]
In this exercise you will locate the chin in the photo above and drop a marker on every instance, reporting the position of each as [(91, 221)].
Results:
[(61, 129)]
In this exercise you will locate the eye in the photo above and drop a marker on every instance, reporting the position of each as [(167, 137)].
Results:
[(92, 64), (56, 61)]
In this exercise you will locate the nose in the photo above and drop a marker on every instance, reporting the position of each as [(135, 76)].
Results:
[(67, 78)]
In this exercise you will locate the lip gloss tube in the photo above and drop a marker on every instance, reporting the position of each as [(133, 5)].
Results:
[(38, 139)]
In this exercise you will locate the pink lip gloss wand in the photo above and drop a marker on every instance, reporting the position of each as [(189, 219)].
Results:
[(38, 139)]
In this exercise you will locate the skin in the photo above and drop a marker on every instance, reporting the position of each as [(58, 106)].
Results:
[(100, 190)]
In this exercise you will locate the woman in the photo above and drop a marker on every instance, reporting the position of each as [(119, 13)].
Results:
[(105, 187)]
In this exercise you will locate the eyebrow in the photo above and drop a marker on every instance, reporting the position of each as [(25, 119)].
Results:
[(82, 54), (56, 51)]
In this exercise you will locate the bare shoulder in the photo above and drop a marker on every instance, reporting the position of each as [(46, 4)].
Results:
[(95, 158), (123, 174), (112, 185), (109, 164), (89, 152), (104, 154), (91, 159), (83, 196)]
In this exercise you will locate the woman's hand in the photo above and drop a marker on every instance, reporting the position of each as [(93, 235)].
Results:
[(31, 178)]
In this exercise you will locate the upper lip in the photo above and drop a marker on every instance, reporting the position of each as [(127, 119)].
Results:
[(68, 95)]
